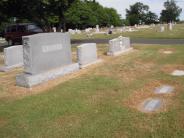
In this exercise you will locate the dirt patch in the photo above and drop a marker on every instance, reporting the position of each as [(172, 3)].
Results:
[(8, 81), (69, 120), (134, 101), (100, 96), (167, 51), (170, 68), (3, 122), (127, 72), (120, 135)]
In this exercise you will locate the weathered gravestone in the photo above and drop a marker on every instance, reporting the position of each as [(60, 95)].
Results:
[(118, 46), (162, 29), (87, 55), (13, 57), (170, 25), (46, 56), (97, 29)]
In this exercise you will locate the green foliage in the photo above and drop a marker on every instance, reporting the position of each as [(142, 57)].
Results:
[(139, 13), (59, 13), (114, 18), (84, 14), (80, 15), (171, 11), (151, 18)]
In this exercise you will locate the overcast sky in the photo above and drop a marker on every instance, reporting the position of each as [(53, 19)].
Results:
[(155, 5)]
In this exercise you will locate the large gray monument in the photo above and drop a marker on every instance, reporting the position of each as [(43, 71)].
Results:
[(13, 57), (87, 55), (118, 46), (46, 56)]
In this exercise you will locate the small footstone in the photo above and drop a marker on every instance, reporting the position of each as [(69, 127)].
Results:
[(167, 52), (151, 105), (165, 89), (178, 73)]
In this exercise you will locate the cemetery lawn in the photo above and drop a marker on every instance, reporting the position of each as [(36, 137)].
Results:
[(176, 33), (102, 102)]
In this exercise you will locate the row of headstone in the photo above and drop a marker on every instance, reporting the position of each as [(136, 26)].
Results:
[(76, 31), (170, 27), (48, 55)]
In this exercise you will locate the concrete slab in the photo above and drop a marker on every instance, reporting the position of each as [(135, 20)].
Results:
[(165, 89), (178, 73)]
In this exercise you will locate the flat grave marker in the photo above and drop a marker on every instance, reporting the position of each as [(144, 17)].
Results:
[(178, 73), (165, 89), (151, 105)]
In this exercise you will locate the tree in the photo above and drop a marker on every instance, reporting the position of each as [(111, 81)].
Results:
[(113, 17), (58, 13), (58, 8), (137, 13), (171, 11), (151, 18), (84, 14), (42, 12), (80, 15), (99, 12), (25, 10)]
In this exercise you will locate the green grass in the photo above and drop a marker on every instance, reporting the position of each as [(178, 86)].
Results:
[(176, 33), (92, 104)]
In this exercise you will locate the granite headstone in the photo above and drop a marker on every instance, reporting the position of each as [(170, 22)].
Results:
[(87, 54), (118, 46), (43, 53), (13, 57)]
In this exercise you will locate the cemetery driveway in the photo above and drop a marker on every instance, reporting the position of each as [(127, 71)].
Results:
[(134, 41)]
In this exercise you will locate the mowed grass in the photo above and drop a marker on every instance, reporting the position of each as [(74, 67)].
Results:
[(95, 104), (153, 32)]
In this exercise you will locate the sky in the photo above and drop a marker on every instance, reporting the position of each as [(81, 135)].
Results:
[(155, 5)]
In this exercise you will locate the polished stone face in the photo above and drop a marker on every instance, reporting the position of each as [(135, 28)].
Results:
[(87, 53), (46, 51), (13, 55)]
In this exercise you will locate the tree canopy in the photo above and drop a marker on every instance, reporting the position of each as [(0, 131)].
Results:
[(171, 11), (60, 13), (139, 13)]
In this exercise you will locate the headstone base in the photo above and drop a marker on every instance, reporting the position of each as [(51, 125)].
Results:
[(92, 63), (28, 80), (8, 68), (119, 53)]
